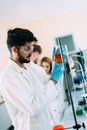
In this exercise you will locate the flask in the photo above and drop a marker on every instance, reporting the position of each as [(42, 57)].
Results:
[(56, 55)]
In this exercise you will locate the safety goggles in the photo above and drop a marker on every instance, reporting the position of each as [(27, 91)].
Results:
[(25, 49)]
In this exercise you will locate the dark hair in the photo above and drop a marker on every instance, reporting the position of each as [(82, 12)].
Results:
[(37, 48), (19, 36), (48, 60)]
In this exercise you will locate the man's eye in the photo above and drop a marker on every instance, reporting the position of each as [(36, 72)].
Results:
[(27, 49)]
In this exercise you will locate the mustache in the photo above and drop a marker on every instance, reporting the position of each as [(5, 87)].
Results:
[(29, 56)]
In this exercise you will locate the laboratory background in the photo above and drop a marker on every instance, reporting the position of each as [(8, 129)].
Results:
[(53, 22)]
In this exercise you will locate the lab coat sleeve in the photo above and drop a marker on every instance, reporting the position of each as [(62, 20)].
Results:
[(43, 99), (41, 72), (31, 104)]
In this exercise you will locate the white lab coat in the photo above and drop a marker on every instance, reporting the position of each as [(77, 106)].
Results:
[(57, 106), (27, 94)]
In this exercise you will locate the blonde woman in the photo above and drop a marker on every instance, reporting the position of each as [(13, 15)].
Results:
[(46, 63), (56, 107)]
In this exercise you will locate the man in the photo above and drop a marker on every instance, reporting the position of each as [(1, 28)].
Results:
[(37, 50), (25, 87)]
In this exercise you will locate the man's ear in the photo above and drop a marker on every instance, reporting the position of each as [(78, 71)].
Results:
[(14, 49)]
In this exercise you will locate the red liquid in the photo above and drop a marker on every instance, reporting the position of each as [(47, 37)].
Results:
[(58, 58), (58, 127)]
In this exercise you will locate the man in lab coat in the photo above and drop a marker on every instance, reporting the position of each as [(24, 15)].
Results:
[(25, 87)]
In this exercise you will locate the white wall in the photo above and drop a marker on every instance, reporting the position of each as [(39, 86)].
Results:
[(48, 28)]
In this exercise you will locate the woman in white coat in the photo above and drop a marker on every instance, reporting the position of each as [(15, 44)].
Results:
[(55, 107), (25, 87)]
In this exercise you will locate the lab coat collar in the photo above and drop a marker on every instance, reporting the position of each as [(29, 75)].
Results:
[(17, 67)]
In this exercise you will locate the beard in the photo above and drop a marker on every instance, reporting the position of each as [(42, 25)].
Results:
[(22, 59)]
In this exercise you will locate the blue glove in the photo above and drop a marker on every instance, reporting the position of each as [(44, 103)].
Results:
[(57, 72)]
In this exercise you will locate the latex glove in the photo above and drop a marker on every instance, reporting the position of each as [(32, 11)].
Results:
[(57, 72)]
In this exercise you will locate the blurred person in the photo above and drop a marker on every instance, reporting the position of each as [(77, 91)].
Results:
[(37, 51), (46, 63), (25, 87)]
